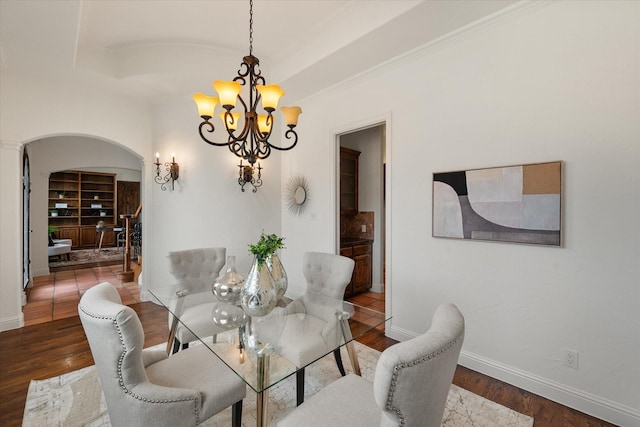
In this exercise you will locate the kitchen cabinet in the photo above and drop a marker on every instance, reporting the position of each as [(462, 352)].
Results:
[(348, 180), (360, 252)]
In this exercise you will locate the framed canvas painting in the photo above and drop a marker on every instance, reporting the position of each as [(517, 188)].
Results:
[(518, 204)]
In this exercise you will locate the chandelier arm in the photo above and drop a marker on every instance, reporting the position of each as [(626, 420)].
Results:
[(288, 134), (235, 148), (263, 154), (239, 148), (243, 71), (264, 137), (245, 129), (261, 150), (208, 124)]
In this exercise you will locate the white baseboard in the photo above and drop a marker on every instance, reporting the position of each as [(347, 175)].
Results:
[(377, 288), (568, 396), (9, 323), (399, 334), (40, 272)]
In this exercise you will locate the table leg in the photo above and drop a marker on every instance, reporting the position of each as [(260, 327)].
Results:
[(351, 349), (172, 335), (262, 397), (174, 322)]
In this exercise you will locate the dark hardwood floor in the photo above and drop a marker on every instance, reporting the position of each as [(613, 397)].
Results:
[(54, 348)]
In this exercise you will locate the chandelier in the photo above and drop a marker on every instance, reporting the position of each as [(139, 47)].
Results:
[(248, 131)]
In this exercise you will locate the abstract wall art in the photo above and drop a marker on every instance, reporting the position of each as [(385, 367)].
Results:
[(518, 204)]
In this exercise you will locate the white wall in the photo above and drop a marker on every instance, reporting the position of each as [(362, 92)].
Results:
[(32, 109), (557, 81), (207, 208)]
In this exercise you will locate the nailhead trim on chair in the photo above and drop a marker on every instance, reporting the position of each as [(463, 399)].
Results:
[(121, 379), (398, 368)]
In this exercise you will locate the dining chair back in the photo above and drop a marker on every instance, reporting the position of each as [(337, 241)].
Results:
[(145, 387), (312, 327), (410, 387), (195, 270)]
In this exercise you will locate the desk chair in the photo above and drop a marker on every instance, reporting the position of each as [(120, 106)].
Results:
[(100, 229)]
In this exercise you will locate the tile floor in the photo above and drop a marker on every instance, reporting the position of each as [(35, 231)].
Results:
[(373, 300), (56, 295)]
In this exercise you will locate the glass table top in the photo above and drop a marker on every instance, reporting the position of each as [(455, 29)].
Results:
[(245, 340)]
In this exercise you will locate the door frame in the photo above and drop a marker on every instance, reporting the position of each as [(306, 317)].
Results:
[(385, 120), (26, 220)]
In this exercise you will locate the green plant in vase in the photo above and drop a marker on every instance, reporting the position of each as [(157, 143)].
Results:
[(50, 230), (266, 246), (259, 292), (265, 251)]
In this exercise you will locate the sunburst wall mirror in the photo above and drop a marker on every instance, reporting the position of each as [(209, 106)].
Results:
[(296, 194)]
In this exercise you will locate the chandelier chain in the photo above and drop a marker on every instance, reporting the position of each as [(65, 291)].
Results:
[(250, 27), (251, 142)]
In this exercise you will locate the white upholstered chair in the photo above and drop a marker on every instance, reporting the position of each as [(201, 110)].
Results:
[(311, 327), (195, 270), (410, 386), (145, 387)]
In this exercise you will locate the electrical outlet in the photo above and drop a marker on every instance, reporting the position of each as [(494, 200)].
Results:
[(570, 358), (364, 228)]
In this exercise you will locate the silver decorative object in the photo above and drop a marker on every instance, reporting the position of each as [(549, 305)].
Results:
[(258, 293), (228, 315), (279, 276), (228, 287)]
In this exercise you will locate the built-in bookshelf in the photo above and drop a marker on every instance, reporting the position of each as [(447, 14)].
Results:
[(78, 201)]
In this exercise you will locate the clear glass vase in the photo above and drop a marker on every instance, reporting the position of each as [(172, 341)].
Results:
[(278, 274), (227, 288), (258, 293)]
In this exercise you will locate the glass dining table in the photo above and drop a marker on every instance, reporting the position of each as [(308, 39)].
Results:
[(249, 346)]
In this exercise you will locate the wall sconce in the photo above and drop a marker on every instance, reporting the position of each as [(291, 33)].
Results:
[(172, 169), (247, 176)]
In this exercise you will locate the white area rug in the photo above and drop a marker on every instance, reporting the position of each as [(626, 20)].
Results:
[(76, 399)]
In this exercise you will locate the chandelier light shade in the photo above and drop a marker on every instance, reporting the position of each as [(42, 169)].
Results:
[(248, 121)]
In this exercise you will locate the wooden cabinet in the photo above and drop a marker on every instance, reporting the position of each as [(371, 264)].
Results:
[(77, 201), (360, 253), (69, 233), (348, 180), (89, 236)]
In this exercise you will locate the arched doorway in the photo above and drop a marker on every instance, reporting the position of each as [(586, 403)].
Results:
[(72, 152)]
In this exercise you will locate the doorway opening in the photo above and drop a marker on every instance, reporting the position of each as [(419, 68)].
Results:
[(90, 176), (362, 210)]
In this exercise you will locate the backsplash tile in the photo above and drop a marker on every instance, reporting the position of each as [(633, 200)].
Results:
[(351, 225)]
